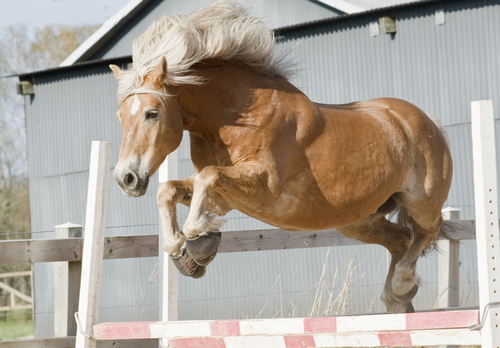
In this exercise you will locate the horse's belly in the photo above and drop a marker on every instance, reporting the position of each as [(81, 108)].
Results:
[(303, 206)]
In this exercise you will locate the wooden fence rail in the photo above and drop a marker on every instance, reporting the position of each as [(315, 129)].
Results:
[(14, 294), (67, 253), (70, 249)]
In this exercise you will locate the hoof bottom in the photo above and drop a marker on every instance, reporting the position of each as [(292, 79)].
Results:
[(204, 248), (187, 266)]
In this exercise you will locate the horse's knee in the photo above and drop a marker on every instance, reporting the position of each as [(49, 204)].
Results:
[(209, 177), (166, 194)]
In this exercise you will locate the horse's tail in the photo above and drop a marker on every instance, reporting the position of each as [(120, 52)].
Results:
[(447, 230)]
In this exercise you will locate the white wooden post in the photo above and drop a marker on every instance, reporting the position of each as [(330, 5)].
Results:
[(67, 286), (487, 232), (169, 300), (92, 257), (449, 265)]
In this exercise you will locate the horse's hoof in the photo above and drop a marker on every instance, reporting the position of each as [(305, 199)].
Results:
[(187, 266), (204, 248), (405, 283), (409, 308), (406, 298)]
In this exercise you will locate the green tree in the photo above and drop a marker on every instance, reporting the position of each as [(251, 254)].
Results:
[(22, 51)]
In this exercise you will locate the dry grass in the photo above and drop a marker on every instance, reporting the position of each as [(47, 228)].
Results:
[(329, 299)]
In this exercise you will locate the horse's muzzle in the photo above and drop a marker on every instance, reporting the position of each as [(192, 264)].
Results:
[(131, 183)]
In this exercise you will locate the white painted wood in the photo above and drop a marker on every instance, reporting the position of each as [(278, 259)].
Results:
[(486, 208), (449, 265), (448, 273), (169, 302), (380, 322), (374, 28), (255, 342), (454, 337), (439, 17), (344, 6), (277, 327), (92, 257), (358, 339), (66, 286)]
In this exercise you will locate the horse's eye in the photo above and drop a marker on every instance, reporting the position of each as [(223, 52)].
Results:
[(151, 114)]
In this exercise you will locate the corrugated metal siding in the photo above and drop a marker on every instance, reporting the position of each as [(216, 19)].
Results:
[(64, 116), (277, 14), (439, 68), (431, 66)]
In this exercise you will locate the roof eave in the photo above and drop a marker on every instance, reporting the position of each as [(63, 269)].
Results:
[(107, 30), (344, 6)]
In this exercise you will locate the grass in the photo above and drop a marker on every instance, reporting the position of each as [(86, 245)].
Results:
[(15, 330)]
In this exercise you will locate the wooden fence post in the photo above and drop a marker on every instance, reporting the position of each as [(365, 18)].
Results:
[(67, 286), (487, 232), (449, 265), (97, 198)]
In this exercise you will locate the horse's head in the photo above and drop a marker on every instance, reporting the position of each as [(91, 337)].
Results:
[(152, 128)]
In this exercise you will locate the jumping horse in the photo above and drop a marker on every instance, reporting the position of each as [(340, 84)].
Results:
[(260, 146)]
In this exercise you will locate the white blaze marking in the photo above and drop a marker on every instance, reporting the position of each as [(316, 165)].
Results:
[(135, 105)]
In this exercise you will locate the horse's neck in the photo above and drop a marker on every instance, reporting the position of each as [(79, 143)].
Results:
[(229, 92)]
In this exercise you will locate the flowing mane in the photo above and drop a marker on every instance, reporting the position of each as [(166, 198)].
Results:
[(220, 30)]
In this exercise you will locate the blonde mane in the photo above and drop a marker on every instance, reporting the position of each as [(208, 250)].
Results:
[(221, 30)]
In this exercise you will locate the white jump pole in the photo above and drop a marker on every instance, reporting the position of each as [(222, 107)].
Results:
[(97, 198), (487, 232), (169, 170), (169, 281)]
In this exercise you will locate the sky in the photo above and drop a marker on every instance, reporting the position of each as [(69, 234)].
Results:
[(39, 13)]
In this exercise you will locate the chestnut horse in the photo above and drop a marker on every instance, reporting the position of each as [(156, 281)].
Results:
[(260, 146)]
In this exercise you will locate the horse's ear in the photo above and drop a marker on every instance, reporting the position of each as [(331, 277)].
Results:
[(159, 74), (117, 71)]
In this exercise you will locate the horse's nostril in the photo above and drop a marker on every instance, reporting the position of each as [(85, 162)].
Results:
[(129, 179)]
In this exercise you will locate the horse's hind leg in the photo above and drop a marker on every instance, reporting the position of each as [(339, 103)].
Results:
[(397, 240), (426, 228)]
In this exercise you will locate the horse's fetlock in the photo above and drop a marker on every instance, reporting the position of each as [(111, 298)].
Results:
[(173, 249), (405, 282)]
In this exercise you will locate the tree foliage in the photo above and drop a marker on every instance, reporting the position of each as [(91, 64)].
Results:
[(23, 51)]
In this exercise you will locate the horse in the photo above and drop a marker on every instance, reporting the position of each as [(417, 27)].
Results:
[(261, 146)]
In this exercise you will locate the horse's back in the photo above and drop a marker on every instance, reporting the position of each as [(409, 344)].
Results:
[(382, 148)]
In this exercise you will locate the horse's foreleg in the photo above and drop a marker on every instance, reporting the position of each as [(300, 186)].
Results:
[(169, 195), (210, 186)]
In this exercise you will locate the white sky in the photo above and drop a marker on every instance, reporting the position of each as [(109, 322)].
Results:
[(38, 13)]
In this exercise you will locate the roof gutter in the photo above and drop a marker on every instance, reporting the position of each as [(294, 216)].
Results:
[(108, 29)]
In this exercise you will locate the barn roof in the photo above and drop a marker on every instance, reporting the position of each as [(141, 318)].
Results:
[(88, 48), (122, 17)]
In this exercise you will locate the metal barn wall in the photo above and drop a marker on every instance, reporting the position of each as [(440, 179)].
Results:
[(439, 68), (276, 13), (68, 111)]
